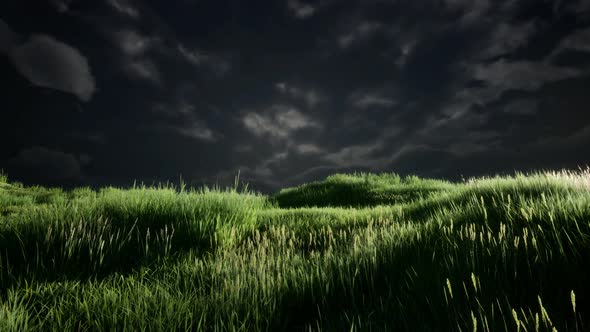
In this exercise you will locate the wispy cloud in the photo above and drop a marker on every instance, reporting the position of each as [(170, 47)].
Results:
[(143, 69), (184, 120), (579, 40), (136, 61), (360, 32), (507, 38), (132, 43), (364, 155), (521, 75), (369, 100), (199, 59), (197, 130), (472, 10), (125, 8)]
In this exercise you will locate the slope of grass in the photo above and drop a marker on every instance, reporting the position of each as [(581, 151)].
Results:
[(493, 254), (359, 190)]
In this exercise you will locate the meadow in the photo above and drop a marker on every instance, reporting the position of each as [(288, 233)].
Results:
[(353, 252)]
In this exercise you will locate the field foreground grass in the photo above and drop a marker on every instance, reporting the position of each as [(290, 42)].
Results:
[(354, 252)]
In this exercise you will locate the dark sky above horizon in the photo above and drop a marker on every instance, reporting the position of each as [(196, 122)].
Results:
[(107, 92)]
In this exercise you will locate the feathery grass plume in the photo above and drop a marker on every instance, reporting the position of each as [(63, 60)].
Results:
[(573, 300)]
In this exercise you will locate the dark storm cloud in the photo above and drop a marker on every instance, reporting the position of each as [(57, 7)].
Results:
[(453, 107), (288, 91)]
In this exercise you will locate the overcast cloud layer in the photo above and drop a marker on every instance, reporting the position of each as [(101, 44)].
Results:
[(111, 91)]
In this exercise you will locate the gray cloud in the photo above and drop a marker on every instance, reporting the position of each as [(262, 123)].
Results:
[(196, 130), (356, 155), (199, 59), (193, 56), (365, 155), (522, 107), (507, 38), (577, 138), (42, 160), (185, 120), (279, 121), (472, 10), (521, 75), (308, 149), (62, 6), (50, 63), (7, 38), (144, 55), (311, 97), (579, 40), (360, 32), (135, 60), (143, 69), (125, 8), (301, 10), (498, 78), (406, 49), (132, 43), (579, 7), (367, 100), (261, 174)]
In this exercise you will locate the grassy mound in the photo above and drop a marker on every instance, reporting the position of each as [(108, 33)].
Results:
[(490, 254), (359, 190)]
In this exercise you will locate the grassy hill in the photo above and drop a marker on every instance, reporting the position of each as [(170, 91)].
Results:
[(360, 190), (355, 252)]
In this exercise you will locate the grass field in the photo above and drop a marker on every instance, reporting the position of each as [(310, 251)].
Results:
[(357, 252)]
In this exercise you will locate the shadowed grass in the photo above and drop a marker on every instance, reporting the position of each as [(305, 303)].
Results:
[(114, 230)]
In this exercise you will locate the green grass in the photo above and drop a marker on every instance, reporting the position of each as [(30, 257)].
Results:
[(356, 252), (360, 190)]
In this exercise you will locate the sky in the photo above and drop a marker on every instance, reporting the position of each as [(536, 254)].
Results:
[(108, 92)]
